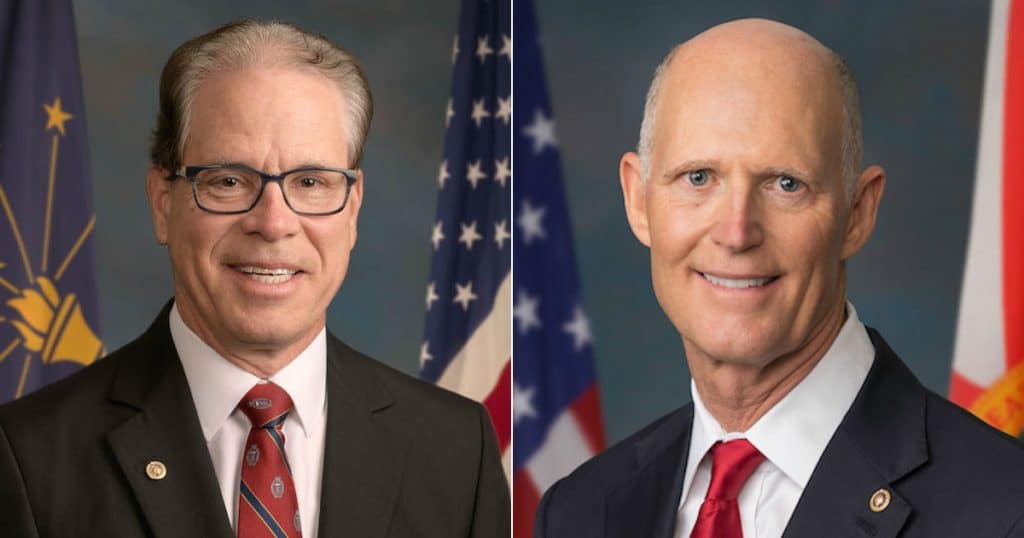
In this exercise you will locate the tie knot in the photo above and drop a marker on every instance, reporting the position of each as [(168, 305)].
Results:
[(266, 405), (732, 462)]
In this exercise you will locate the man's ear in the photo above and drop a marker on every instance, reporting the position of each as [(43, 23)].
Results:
[(355, 201), (158, 191), (864, 210), (634, 196)]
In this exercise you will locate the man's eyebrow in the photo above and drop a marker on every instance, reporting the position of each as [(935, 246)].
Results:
[(307, 164), (314, 164)]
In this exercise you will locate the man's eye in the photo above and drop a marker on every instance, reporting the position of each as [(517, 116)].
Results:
[(309, 182), (697, 178), (228, 181), (789, 184)]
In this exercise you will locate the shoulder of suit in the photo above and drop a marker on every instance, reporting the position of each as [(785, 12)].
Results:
[(954, 431), (411, 395), (71, 400), (618, 463)]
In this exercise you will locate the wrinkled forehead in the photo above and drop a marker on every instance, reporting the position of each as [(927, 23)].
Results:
[(765, 90)]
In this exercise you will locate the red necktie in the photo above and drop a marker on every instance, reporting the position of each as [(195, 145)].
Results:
[(267, 505), (732, 463)]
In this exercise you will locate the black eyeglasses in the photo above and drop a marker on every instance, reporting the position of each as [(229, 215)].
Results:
[(235, 188)]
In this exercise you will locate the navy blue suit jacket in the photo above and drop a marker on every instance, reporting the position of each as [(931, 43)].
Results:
[(950, 474)]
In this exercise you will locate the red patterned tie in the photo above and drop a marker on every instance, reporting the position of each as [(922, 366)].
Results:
[(267, 505), (731, 465)]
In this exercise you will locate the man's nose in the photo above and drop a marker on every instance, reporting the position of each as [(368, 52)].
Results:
[(271, 217), (737, 225)]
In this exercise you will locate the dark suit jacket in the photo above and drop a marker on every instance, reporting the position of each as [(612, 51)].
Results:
[(403, 458), (950, 475)]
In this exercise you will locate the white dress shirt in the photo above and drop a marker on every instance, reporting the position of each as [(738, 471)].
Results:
[(217, 386), (792, 435)]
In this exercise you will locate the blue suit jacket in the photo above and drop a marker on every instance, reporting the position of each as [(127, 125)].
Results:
[(950, 474)]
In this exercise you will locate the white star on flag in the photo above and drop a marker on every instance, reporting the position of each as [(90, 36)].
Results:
[(506, 47), (522, 403), (464, 294), (479, 112), (442, 173), (469, 235), (455, 49), (502, 171), (431, 294), (525, 312), (483, 49), (529, 222), (501, 233), (579, 328), (541, 131), (437, 236), (424, 355), (504, 109), (475, 172), (449, 113)]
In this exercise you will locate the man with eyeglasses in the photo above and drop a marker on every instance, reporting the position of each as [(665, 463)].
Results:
[(237, 413)]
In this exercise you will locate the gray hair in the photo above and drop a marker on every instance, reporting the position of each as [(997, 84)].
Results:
[(851, 145), (248, 43)]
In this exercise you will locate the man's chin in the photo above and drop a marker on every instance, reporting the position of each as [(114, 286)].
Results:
[(741, 349), (267, 333)]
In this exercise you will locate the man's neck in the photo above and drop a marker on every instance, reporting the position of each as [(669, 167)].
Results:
[(738, 395)]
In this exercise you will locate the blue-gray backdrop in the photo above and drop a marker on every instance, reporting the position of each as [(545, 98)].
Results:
[(920, 65), (405, 48)]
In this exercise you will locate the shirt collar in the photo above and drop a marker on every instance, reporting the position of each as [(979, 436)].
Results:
[(217, 385), (794, 433)]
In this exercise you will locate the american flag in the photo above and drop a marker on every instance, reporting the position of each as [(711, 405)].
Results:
[(466, 346), (556, 412)]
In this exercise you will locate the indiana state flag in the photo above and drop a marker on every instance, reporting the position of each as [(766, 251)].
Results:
[(48, 312)]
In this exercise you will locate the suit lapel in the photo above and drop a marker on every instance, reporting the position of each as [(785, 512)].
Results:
[(187, 501), (364, 455), (646, 504), (881, 439)]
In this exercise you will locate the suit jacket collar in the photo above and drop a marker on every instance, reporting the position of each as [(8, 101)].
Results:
[(881, 439), (363, 455), (187, 501), (645, 504)]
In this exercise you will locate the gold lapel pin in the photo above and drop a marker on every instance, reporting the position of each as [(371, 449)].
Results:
[(880, 500), (156, 470)]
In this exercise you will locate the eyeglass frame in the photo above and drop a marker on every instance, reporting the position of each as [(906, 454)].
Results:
[(191, 172)]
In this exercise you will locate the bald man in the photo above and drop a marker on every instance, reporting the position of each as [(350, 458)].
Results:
[(748, 189)]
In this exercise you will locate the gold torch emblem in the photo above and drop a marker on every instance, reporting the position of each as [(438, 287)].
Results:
[(50, 327), (54, 327)]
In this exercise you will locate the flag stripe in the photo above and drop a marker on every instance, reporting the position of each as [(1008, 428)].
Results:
[(524, 505), (467, 374), (587, 411), (499, 406), (1013, 191), (963, 390), (979, 350), (565, 447)]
